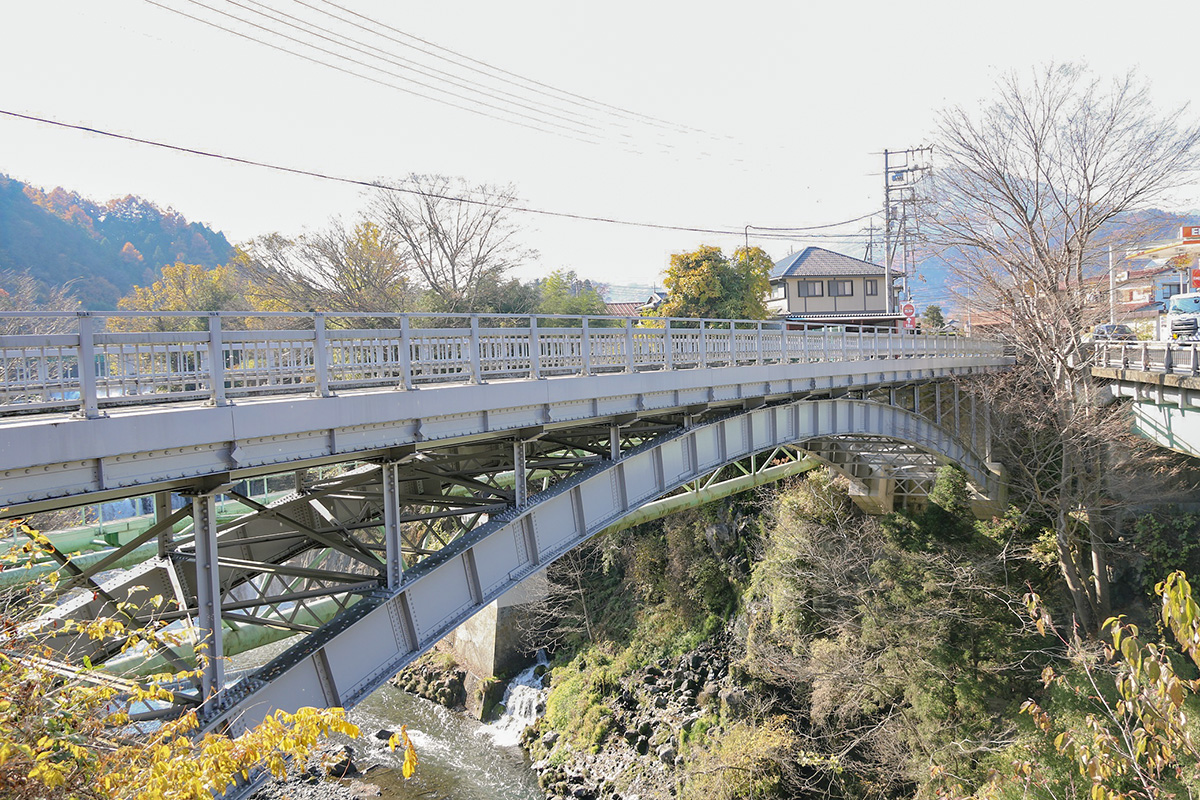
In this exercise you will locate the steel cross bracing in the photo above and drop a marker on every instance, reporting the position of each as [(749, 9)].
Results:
[(313, 556), (513, 413)]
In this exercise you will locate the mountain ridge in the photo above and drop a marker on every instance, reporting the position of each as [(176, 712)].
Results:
[(100, 250)]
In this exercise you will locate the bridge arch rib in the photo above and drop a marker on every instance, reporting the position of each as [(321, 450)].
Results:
[(356, 652)]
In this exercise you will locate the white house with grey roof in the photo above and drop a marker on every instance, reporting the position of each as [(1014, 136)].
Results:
[(823, 287)]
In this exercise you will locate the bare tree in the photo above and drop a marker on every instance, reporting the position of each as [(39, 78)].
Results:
[(459, 238), (1031, 192), (334, 269), (21, 292)]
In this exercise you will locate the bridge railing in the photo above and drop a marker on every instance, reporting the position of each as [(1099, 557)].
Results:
[(1172, 357), (89, 361)]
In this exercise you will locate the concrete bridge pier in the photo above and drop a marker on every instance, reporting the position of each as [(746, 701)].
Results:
[(493, 642), (875, 495)]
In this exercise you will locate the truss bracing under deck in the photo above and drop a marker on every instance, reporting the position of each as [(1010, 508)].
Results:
[(315, 560)]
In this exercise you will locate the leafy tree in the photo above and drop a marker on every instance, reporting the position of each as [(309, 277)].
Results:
[(889, 654), (459, 238), (1028, 197), (932, 320), (65, 730), (1132, 738), (562, 292), (948, 513), (182, 287), (704, 283)]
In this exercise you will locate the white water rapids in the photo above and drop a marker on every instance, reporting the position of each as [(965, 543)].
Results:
[(524, 701)]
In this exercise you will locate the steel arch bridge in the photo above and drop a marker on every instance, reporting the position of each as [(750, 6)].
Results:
[(523, 442)]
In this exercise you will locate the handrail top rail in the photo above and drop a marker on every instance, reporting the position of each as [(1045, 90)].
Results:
[(774, 324)]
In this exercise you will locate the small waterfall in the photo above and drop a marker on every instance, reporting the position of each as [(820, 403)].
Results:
[(524, 701)]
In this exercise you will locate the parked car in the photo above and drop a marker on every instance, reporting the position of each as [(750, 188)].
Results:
[(1113, 332)]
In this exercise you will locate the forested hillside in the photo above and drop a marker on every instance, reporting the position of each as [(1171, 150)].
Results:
[(101, 249)]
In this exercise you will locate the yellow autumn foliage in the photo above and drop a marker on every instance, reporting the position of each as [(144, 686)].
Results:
[(66, 731)]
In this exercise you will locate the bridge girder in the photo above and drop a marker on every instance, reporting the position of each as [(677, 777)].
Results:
[(461, 539)]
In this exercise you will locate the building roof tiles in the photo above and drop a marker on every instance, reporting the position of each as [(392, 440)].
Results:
[(819, 263)]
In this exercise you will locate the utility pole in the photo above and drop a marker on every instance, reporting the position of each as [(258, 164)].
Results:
[(903, 174), (1112, 289), (887, 244)]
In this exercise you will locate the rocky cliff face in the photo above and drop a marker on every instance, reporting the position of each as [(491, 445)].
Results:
[(654, 711)]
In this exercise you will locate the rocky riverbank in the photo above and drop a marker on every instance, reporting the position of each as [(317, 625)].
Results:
[(437, 677), (330, 774), (654, 711)]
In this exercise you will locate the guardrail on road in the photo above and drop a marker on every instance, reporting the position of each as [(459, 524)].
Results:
[(1167, 357)]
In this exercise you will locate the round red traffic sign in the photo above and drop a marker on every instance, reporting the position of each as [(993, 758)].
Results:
[(909, 310)]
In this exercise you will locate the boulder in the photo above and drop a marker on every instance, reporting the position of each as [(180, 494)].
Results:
[(340, 763)]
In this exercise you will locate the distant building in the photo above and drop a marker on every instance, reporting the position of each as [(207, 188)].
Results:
[(819, 286), (1140, 293), (623, 309), (656, 299), (650, 306)]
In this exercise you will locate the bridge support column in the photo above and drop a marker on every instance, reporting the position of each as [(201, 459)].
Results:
[(875, 496), (492, 642), (391, 524), (520, 477), (208, 595), (997, 501)]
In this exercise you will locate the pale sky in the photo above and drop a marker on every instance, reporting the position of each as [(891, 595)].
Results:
[(779, 112)]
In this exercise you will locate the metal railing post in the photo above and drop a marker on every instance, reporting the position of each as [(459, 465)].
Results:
[(585, 347), (668, 345), (321, 355), (703, 346), (476, 366), (629, 366), (216, 360), (535, 349), (760, 343), (89, 399), (406, 370), (804, 333), (733, 344)]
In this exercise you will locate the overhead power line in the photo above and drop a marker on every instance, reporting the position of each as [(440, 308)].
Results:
[(421, 193), (544, 88), (407, 65), (468, 108)]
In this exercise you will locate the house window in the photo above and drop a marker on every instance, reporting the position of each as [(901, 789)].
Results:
[(779, 290), (872, 287), (809, 289), (841, 288)]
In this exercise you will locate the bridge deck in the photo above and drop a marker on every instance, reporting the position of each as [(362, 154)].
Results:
[(163, 410), (493, 448)]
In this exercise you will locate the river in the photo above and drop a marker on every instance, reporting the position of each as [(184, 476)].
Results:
[(460, 758)]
